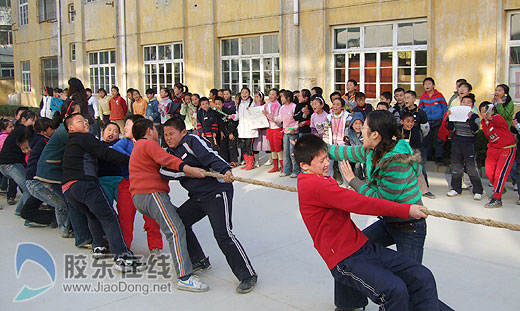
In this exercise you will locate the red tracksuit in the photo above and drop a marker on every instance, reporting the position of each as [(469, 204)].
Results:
[(501, 152)]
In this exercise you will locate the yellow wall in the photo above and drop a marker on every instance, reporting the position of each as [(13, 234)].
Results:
[(6, 88)]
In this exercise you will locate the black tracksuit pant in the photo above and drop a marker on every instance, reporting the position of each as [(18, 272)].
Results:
[(217, 207)]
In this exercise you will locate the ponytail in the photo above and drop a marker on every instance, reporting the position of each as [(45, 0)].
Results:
[(383, 122)]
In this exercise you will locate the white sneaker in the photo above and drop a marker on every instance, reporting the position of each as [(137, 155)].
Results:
[(466, 186), (452, 193), (477, 197), (193, 284), (257, 164), (282, 174), (515, 187), (268, 163)]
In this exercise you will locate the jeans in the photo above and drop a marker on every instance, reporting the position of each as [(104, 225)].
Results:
[(288, 154), (17, 173), (331, 171), (52, 196)]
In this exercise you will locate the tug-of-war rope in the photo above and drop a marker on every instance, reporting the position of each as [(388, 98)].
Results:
[(471, 220)]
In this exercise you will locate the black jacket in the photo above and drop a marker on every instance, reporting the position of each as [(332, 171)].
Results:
[(419, 115), (106, 168), (207, 122), (80, 159), (37, 144), (298, 116), (11, 153), (225, 125)]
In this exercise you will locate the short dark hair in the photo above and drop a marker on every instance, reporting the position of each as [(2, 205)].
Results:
[(27, 114), (196, 95), (113, 123), (471, 97), (214, 92), (134, 118), (176, 123), (318, 90), (150, 91), (407, 114), (42, 124), (68, 120), (140, 127), (130, 90), (306, 93), (203, 99), (21, 108), (483, 104), (88, 90), (219, 98), (399, 89), (341, 100), (387, 95), (428, 79), (336, 93), (308, 147), (352, 81), (360, 95), (466, 84), (22, 139), (461, 81), (383, 104), (102, 90), (411, 93)]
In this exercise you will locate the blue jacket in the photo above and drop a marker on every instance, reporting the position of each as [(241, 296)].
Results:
[(152, 110), (49, 167), (125, 146), (197, 152)]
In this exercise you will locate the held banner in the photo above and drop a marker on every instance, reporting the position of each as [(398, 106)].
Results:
[(255, 119)]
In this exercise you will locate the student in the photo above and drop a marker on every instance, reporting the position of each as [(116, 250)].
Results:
[(212, 94), (399, 99), (130, 99), (290, 128), (150, 194), (319, 117), (209, 196), (118, 107), (456, 92), (434, 105), (12, 158), (228, 99), (503, 103), (228, 132), (45, 104), (84, 193), (400, 282), (303, 112), (221, 92), (338, 121), (463, 151), (274, 132), (411, 133), (261, 143), (104, 107), (501, 151), (361, 105), (152, 108), (110, 175), (179, 92), (93, 112), (296, 96), (139, 105), (245, 133), (355, 138), (386, 97), (8, 186), (34, 217), (464, 89), (189, 112), (350, 95), (316, 90), (207, 126), (56, 101), (382, 106), (515, 129)]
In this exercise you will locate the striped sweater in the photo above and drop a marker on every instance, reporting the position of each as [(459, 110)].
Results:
[(435, 105), (394, 178)]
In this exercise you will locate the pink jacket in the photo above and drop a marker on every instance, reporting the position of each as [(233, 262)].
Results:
[(3, 136), (272, 108), (285, 116)]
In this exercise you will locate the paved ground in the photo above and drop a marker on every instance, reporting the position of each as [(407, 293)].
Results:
[(476, 267)]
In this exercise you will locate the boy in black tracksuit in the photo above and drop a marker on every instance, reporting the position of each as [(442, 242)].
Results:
[(207, 122), (83, 191), (208, 196), (303, 113), (227, 130)]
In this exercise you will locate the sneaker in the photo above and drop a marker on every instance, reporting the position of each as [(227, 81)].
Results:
[(31, 224), (201, 265), (293, 175), (477, 197), (452, 193), (125, 264), (494, 203), (515, 187), (268, 163), (247, 285), (11, 201), (66, 235), (99, 252), (257, 164), (429, 195), (155, 252), (193, 284), (282, 174), (466, 186)]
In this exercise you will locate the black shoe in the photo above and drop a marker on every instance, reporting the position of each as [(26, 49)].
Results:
[(494, 203), (201, 265), (247, 285), (11, 201)]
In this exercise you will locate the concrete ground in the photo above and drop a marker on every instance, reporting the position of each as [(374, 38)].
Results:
[(476, 267)]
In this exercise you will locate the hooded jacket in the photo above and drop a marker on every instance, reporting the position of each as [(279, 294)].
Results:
[(394, 178), (355, 139)]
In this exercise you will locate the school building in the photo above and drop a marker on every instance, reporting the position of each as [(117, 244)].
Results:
[(292, 44)]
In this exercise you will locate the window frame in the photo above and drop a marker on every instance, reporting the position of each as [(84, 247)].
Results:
[(26, 77), (43, 15), (395, 48), (9, 68), (509, 44), (240, 57), (52, 70), (7, 3), (72, 52), (71, 12), (23, 12), (112, 79), (158, 62)]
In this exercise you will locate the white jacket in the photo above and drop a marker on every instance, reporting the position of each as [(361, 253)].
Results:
[(46, 111), (241, 116)]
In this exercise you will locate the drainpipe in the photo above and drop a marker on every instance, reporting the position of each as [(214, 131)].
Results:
[(60, 50), (120, 15)]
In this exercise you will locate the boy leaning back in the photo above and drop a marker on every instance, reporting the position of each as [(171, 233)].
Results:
[(150, 194), (388, 278)]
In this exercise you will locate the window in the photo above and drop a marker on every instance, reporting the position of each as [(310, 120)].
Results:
[(73, 52), (251, 61), (514, 56), (163, 65), (5, 3), (72, 12), (23, 12), (6, 35), (6, 70), (26, 76), (50, 72), (381, 57), (47, 10), (102, 69)]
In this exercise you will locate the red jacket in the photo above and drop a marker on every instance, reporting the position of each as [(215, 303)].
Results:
[(118, 108), (498, 133), (444, 131), (325, 209), (146, 160)]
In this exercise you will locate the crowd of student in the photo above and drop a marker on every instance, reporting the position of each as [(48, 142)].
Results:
[(85, 153)]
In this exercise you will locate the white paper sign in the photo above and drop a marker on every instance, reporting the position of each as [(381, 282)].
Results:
[(255, 119), (459, 113)]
